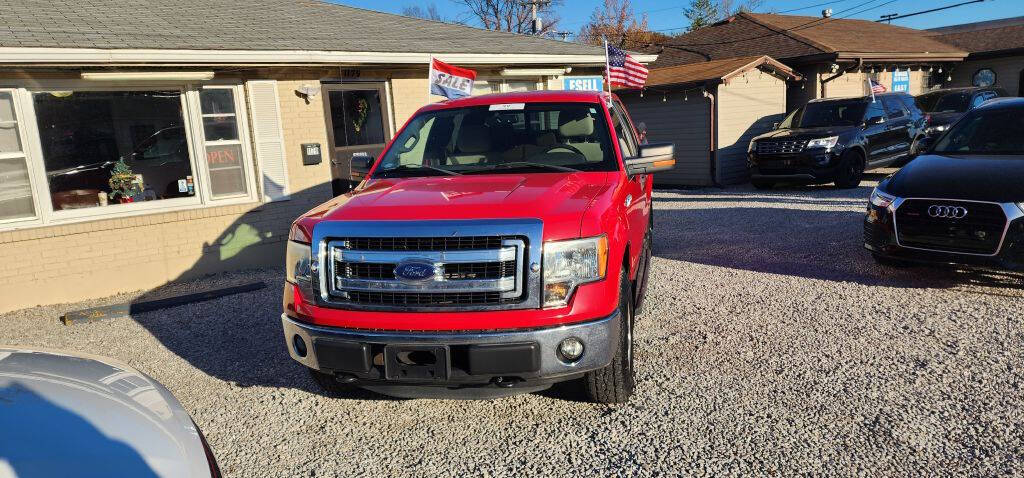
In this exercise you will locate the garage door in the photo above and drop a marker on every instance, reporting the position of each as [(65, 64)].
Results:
[(683, 121)]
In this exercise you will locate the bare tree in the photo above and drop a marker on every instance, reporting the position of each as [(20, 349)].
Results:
[(728, 8), (511, 15), (429, 13), (616, 22)]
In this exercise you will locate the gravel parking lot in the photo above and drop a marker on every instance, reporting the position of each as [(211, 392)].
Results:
[(771, 344)]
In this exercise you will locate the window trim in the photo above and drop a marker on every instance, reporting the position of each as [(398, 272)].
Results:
[(46, 216), (19, 123)]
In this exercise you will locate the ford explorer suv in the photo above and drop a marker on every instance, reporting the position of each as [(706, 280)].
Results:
[(498, 245), (961, 201), (835, 140)]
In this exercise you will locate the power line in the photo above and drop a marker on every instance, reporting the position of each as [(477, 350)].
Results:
[(813, 6), (888, 18), (779, 32)]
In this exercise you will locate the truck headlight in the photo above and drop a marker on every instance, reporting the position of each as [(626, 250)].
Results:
[(568, 264), (827, 143), (880, 199), (297, 262)]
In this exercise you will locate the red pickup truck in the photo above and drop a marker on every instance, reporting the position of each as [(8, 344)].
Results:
[(499, 244)]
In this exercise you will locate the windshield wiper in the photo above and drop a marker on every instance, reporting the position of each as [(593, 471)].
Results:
[(528, 164), (419, 167)]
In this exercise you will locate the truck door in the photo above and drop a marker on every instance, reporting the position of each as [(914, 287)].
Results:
[(636, 202), (358, 123)]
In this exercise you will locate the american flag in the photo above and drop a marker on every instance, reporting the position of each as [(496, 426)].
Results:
[(624, 70), (877, 87)]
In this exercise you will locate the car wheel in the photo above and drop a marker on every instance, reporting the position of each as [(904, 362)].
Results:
[(851, 170), (328, 383), (889, 262), (642, 274), (615, 382), (762, 184)]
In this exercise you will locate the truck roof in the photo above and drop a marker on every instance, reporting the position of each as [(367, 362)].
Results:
[(552, 96)]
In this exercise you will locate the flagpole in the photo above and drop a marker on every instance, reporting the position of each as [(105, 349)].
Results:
[(871, 88), (607, 68), (430, 74)]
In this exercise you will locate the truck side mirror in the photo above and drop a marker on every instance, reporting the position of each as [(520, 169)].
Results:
[(924, 144), (653, 157), (361, 163)]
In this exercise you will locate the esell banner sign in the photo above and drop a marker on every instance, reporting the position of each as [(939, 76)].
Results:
[(450, 81)]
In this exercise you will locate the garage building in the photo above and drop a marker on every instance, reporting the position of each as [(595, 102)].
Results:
[(710, 110)]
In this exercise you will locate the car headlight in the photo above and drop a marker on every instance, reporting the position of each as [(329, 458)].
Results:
[(880, 199), (827, 143), (568, 264), (936, 129), (297, 261)]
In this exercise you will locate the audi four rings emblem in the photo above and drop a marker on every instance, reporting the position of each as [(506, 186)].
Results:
[(947, 212)]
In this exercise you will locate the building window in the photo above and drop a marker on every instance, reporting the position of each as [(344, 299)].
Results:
[(224, 159), (488, 86), (109, 147), (357, 118), (15, 185), (984, 77)]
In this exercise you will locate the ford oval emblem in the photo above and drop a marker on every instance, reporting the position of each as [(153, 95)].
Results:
[(414, 271)]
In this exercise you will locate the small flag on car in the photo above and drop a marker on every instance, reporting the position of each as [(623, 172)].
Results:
[(877, 87), (623, 69), (450, 81)]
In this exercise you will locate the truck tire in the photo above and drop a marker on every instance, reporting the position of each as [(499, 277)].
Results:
[(328, 383), (851, 170), (615, 382)]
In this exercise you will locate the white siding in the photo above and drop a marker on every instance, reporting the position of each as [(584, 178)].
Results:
[(683, 120), (1008, 72), (747, 106)]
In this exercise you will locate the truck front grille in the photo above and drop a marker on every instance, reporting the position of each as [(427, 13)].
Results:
[(980, 231), (780, 147), (476, 271)]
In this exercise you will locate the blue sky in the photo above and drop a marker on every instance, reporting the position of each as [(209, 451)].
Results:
[(668, 14)]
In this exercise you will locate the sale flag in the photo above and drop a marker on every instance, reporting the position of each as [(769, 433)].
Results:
[(450, 81)]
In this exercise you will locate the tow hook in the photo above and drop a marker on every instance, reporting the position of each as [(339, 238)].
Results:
[(346, 378)]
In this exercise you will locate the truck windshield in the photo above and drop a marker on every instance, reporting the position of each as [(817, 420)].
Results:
[(826, 113), (999, 132), (535, 137)]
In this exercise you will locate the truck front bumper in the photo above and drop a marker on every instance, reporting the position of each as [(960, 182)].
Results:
[(513, 360)]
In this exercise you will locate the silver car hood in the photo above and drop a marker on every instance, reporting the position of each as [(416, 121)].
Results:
[(70, 414)]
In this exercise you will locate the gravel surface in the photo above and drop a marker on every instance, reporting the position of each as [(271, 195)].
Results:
[(771, 345)]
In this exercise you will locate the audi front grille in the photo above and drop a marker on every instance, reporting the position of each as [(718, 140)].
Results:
[(964, 227)]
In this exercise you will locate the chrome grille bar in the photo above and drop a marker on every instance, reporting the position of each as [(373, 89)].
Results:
[(506, 253)]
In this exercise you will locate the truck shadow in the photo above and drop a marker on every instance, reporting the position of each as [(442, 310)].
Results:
[(817, 236)]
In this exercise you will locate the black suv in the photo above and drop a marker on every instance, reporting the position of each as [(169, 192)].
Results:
[(962, 200), (836, 140), (943, 107)]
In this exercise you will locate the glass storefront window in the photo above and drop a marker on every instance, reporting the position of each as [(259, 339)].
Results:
[(520, 85), (357, 117), (486, 87), (109, 147), (223, 146), (15, 188)]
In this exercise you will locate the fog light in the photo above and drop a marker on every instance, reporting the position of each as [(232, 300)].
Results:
[(570, 349), (299, 345)]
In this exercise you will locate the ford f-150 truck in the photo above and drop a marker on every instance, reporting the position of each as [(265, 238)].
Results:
[(498, 245)]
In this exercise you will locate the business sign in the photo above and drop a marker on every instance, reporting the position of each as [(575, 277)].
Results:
[(583, 83), (450, 81), (901, 81)]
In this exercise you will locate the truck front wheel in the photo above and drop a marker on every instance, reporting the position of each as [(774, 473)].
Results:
[(615, 382)]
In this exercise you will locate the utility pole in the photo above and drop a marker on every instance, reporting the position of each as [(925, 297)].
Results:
[(535, 22), (888, 18)]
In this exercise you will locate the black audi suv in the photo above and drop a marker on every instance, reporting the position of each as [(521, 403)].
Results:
[(943, 107), (961, 201), (836, 140)]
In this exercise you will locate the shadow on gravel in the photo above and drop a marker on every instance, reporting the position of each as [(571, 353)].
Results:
[(784, 234)]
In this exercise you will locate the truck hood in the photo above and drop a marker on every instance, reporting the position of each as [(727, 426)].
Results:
[(977, 178), (555, 198)]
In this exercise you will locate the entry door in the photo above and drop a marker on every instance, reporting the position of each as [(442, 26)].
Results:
[(358, 123), (877, 134)]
